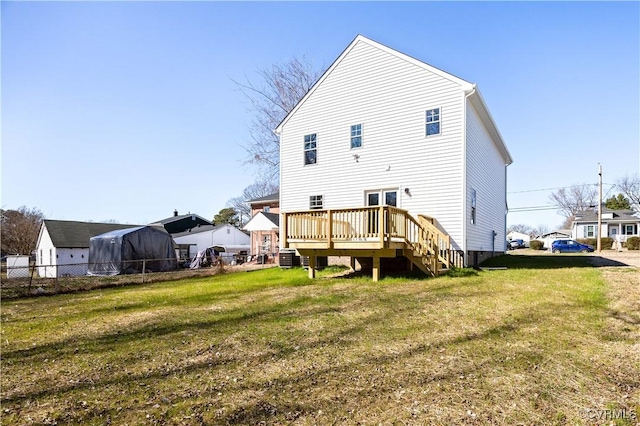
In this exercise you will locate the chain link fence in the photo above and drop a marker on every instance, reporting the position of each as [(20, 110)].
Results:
[(37, 280)]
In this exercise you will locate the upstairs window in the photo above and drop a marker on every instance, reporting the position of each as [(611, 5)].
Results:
[(356, 136), (433, 121), (315, 202), (310, 155), (266, 209)]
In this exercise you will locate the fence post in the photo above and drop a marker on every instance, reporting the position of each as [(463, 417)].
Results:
[(144, 267)]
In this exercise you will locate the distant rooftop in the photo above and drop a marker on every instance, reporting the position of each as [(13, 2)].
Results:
[(271, 197)]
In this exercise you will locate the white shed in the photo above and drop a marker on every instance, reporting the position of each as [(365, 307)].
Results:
[(202, 237)]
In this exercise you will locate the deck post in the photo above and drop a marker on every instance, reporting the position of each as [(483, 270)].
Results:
[(376, 268), (352, 263), (381, 227), (312, 266), (330, 228), (284, 230)]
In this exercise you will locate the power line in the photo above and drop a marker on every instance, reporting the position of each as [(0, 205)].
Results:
[(559, 187)]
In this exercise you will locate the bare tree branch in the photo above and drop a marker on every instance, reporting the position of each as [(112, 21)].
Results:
[(282, 87), (575, 199), (255, 190), (630, 186), (20, 229)]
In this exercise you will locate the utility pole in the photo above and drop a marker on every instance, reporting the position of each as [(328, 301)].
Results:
[(599, 246)]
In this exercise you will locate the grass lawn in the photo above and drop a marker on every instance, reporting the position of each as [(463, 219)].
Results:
[(549, 340)]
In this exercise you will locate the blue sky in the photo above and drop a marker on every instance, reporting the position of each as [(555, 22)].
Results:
[(126, 111)]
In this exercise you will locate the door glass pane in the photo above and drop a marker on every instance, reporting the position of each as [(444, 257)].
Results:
[(390, 198), (373, 199)]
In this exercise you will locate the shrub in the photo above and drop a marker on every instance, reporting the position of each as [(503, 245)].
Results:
[(633, 243), (607, 243), (536, 245), (591, 241)]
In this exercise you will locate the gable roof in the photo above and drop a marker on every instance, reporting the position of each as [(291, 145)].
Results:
[(204, 228), (471, 89), (618, 216), (263, 221), (74, 234), (267, 198), (179, 217)]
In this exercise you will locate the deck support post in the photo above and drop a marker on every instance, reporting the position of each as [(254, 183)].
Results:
[(409, 265), (376, 268), (352, 263), (312, 266)]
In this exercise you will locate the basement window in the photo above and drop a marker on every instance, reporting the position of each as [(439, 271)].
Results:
[(315, 202), (433, 122)]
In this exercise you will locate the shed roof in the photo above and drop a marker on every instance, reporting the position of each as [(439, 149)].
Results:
[(74, 234)]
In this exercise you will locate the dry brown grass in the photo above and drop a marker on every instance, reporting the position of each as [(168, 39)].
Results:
[(521, 346)]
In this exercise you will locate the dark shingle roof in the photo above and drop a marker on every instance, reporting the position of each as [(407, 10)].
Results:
[(273, 217), (72, 234), (618, 215), (180, 217), (271, 197)]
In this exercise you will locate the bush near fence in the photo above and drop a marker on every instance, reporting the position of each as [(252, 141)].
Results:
[(38, 280)]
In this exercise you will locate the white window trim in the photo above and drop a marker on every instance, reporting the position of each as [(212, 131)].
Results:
[(361, 136), (304, 151), (439, 122), (382, 196), (321, 199)]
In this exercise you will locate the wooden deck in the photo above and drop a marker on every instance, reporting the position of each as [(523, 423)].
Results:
[(371, 232)]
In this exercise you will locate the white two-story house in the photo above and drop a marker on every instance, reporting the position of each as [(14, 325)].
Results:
[(383, 137)]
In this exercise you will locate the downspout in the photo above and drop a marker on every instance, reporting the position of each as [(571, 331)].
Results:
[(464, 174)]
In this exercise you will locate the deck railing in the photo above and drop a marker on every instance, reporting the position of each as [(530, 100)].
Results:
[(377, 224)]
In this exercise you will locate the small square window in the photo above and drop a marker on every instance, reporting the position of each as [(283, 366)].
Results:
[(310, 153), (433, 122), (315, 202), (356, 136)]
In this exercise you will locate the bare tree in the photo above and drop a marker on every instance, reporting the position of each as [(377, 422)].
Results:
[(281, 88), (630, 186), (539, 230), (20, 229), (521, 228), (255, 190), (575, 199)]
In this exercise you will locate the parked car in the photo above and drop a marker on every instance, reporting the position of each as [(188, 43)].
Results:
[(570, 246), (515, 244)]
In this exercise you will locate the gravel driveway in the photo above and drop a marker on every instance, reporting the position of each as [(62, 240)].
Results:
[(615, 258)]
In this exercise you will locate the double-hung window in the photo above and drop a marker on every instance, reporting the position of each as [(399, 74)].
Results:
[(433, 122), (356, 136), (310, 146), (590, 231)]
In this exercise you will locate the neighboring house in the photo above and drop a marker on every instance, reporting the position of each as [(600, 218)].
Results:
[(513, 235), (62, 248), (202, 237), (264, 224), (181, 223), (548, 238), (617, 224), (380, 128)]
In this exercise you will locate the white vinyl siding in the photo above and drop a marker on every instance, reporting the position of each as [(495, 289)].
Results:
[(390, 95), (485, 176)]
